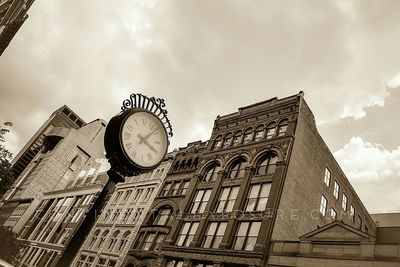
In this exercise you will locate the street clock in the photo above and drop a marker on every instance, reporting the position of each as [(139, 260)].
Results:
[(136, 139)]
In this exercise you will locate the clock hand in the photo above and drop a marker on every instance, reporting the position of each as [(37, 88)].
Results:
[(143, 140), (150, 134), (150, 146)]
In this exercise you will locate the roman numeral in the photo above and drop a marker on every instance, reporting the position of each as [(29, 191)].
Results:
[(152, 126), (157, 142), (133, 154), (130, 127), (149, 156), (144, 121)]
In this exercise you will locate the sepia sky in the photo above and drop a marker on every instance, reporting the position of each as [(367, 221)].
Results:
[(207, 58)]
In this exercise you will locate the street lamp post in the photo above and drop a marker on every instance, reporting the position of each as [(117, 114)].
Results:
[(136, 141)]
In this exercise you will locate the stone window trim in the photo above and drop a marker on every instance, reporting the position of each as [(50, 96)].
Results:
[(226, 199), (336, 190), (266, 165), (236, 169), (246, 235), (344, 202), (200, 201), (214, 234), (327, 177), (323, 205), (211, 172), (257, 196), (187, 233)]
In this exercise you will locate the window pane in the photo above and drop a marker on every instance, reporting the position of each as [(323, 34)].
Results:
[(251, 241), (254, 191), (251, 203), (239, 243), (243, 229)]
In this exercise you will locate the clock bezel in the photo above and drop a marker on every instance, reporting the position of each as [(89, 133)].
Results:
[(125, 154)]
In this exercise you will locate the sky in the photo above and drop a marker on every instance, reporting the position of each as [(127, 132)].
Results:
[(207, 58)]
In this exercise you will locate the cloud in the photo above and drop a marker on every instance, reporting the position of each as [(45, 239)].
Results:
[(374, 171), (206, 58), (377, 125)]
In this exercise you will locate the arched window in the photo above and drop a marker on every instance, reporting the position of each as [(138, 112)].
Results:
[(183, 165), (217, 142), (211, 172), (102, 239), (283, 124), (248, 136), (267, 165), (237, 138), (236, 169), (176, 166), (113, 241), (259, 133), (188, 164), (163, 217), (271, 130), (123, 241), (227, 140), (94, 238), (195, 163)]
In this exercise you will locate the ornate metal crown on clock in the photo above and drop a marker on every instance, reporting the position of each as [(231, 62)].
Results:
[(155, 106), (136, 139)]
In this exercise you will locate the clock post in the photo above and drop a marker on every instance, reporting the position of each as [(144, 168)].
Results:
[(136, 141)]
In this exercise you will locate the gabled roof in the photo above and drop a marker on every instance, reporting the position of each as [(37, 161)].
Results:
[(337, 231)]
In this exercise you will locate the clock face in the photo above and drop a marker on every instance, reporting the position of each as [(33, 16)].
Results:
[(144, 139)]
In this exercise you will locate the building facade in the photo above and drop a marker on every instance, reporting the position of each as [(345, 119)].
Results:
[(13, 14), (62, 117), (265, 175), (66, 152), (58, 216), (115, 229)]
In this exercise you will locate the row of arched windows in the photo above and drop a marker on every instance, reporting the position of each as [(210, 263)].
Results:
[(265, 165), (186, 164), (251, 134), (114, 243)]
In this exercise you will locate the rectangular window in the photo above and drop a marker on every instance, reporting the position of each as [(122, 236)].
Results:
[(322, 208), (227, 199), (333, 214), (117, 197), (200, 201), (116, 215), (166, 189), (174, 263), (148, 241), (184, 187), (127, 214), (214, 234), (344, 202), (187, 233), (359, 221), (258, 197), (327, 177), (175, 188), (148, 194), (352, 213), (336, 189), (137, 195), (127, 195), (137, 215), (246, 235)]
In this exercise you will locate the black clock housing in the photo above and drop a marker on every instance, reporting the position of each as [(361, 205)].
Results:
[(115, 153)]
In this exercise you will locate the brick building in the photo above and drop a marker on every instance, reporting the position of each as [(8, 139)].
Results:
[(115, 229), (65, 153), (264, 176)]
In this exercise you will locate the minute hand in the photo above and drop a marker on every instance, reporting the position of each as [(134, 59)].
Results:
[(150, 146)]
